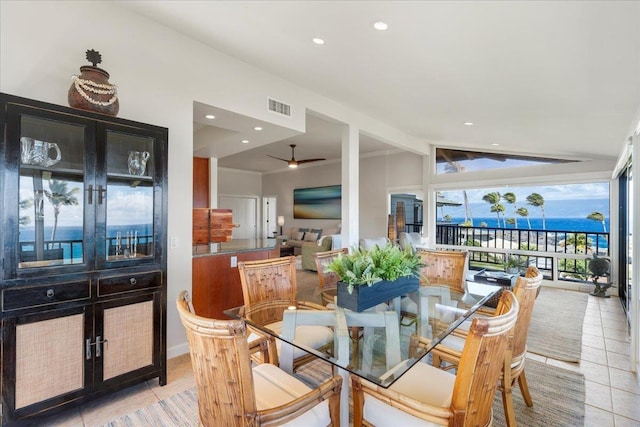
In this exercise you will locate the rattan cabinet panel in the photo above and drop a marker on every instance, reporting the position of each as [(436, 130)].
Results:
[(83, 220), (49, 363), (129, 333)]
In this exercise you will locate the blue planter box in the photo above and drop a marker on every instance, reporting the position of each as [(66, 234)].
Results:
[(364, 297)]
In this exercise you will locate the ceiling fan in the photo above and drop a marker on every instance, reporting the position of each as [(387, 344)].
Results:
[(293, 163)]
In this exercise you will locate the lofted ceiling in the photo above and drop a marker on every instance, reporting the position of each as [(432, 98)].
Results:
[(552, 78)]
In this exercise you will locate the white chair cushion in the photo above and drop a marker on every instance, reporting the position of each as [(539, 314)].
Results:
[(309, 336), (275, 387), (423, 383)]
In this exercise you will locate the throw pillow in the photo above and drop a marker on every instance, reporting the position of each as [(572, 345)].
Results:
[(321, 239), (310, 237), (317, 230), (298, 235)]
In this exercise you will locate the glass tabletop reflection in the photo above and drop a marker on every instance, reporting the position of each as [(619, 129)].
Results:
[(374, 344)]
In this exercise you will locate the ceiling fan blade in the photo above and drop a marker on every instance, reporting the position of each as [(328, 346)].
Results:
[(278, 158), (309, 160)]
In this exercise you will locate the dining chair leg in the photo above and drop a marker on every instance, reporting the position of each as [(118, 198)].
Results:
[(435, 360), (358, 403), (507, 403), (524, 389), (334, 410), (355, 333)]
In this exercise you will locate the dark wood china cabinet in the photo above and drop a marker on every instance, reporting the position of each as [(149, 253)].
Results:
[(83, 208)]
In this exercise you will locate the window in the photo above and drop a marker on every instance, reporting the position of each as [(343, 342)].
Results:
[(457, 161)]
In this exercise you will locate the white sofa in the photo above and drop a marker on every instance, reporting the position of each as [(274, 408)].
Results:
[(369, 243), (298, 236)]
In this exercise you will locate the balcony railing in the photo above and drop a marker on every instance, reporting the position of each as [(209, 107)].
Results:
[(560, 255), (71, 250)]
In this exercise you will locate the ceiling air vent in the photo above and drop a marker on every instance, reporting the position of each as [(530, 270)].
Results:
[(279, 107)]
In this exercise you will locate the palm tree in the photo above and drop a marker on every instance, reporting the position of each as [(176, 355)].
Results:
[(597, 216), (535, 199), (493, 199), (511, 199), (25, 204), (58, 195), (525, 213)]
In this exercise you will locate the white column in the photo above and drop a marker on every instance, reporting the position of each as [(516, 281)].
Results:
[(350, 185), (428, 205)]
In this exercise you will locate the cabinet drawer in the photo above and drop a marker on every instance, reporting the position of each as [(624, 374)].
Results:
[(128, 283), (36, 296)]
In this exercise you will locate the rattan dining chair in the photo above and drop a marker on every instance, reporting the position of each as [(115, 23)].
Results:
[(428, 396), (231, 393), (442, 268), (450, 350), (327, 280), (272, 280)]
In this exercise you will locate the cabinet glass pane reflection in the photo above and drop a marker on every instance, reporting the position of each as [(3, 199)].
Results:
[(51, 193), (129, 218)]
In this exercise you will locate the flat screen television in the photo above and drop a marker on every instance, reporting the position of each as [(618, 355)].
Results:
[(318, 202)]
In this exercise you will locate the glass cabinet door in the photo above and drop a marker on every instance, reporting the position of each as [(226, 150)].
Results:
[(129, 198), (51, 203)]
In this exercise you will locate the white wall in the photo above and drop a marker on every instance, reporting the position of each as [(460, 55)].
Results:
[(377, 174), (233, 182), (159, 74)]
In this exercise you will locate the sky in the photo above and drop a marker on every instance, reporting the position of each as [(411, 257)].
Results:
[(125, 205), (560, 201)]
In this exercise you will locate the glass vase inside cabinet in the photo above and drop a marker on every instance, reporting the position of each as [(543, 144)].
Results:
[(50, 199), (131, 203)]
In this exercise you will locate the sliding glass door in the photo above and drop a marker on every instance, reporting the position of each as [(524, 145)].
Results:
[(625, 241)]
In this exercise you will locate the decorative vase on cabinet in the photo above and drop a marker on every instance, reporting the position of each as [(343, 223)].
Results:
[(84, 248)]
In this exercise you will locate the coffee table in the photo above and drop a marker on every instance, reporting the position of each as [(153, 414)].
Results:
[(286, 250)]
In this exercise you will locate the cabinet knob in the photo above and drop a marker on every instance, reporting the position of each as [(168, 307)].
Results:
[(133, 281), (50, 293)]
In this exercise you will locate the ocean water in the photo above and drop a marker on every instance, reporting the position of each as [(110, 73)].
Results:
[(552, 224), (74, 234)]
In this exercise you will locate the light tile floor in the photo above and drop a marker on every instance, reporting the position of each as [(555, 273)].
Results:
[(612, 391)]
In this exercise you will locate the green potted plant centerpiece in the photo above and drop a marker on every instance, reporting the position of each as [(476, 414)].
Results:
[(369, 277), (512, 264)]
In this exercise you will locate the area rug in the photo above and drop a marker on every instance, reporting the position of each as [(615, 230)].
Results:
[(556, 324), (558, 400)]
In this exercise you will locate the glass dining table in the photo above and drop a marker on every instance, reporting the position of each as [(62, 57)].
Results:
[(373, 344)]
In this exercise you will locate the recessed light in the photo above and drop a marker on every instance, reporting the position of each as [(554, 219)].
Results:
[(245, 141), (379, 25), (468, 124), (318, 40), (210, 116), (495, 144), (257, 128)]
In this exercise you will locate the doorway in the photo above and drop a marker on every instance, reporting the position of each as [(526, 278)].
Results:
[(245, 216), (269, 219)]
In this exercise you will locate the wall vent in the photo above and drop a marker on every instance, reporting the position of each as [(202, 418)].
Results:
[(279, 107)]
